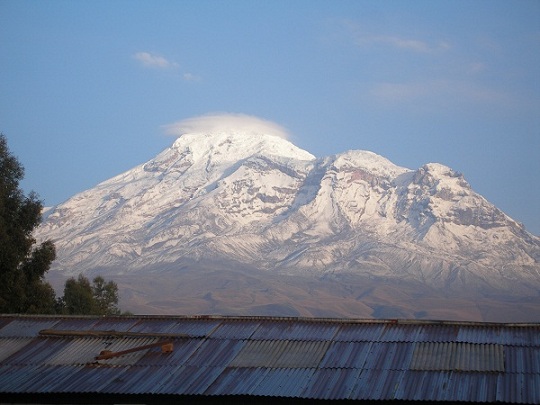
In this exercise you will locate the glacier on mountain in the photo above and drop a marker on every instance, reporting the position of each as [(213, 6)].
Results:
[(259, 201)]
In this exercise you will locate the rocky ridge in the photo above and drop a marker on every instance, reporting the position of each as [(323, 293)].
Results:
[(228, 199)]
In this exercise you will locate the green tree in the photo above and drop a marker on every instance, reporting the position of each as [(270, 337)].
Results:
[(22, 265), (83, 298), (105, 296), (78, 298)]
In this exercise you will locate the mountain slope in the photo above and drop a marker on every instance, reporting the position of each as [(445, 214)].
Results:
[(256, 203)]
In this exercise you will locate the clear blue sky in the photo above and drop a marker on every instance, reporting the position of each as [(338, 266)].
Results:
[(87, 87)]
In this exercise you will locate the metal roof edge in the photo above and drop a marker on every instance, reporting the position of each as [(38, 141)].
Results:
[(276, 318)]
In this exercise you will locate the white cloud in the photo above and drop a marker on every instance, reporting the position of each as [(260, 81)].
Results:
[(150, 60), (363, 39), (190, 77), (399, 92), (437, 92), (225, 122), (406, 44), (476, 67), (396, 42)]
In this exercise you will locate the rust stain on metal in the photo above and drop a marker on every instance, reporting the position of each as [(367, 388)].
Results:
[(107, 333), (166, 347)]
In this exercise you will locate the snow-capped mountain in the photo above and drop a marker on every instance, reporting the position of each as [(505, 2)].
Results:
[(234, 199)]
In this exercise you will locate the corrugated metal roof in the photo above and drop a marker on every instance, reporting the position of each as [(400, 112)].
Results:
[(522, 360), (152, 325), (235, 330), (215, 352), (280, 357), (26, 327), (9, 346), (194, 327), (183, 350), (76, 323), (332, 383), (458, 356), (357, 332), (287, 382), (36, 352), (116, 324), (291, 330), (83, 351), (237, 381), (346, 355), (280, 353), (190, 380)]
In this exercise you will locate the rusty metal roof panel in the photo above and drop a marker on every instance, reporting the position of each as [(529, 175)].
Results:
[(359, 332), (159, 325), (11, 377), (406, 385), (177, 380), (189, 380), (119, 345), (16, 378), (188, 326), (524, 360), (346, 355), (259, 353), (290, 330), (82, 351), (76, 324), (183, 350), (280, 354), (457, 386), (421, 385), (115, 324), (194, 327), (479, 335), (399, 333), (376, 384), (9, 346), (235, 329), (26, 327), (33, 378), (79, 351), (45, 379), (332, 383), (458, 356), (518, 388), (139, 380), (521, 335), (237, 381), (437, 333), (36, 352), (388, 356), (215, 352), (515, 335), (90, 378), (284, 382), (3, 322), (202, 379)]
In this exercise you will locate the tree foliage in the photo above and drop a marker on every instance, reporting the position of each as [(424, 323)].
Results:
[(22, 265), (83, 298), (105, 296)]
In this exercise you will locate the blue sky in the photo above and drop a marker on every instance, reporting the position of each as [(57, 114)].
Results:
[(87, 88)]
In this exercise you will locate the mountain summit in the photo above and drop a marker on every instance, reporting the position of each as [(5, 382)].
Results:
[(242, 222)]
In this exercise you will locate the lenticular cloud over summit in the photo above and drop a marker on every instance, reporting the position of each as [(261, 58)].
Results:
[(236, 123)]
